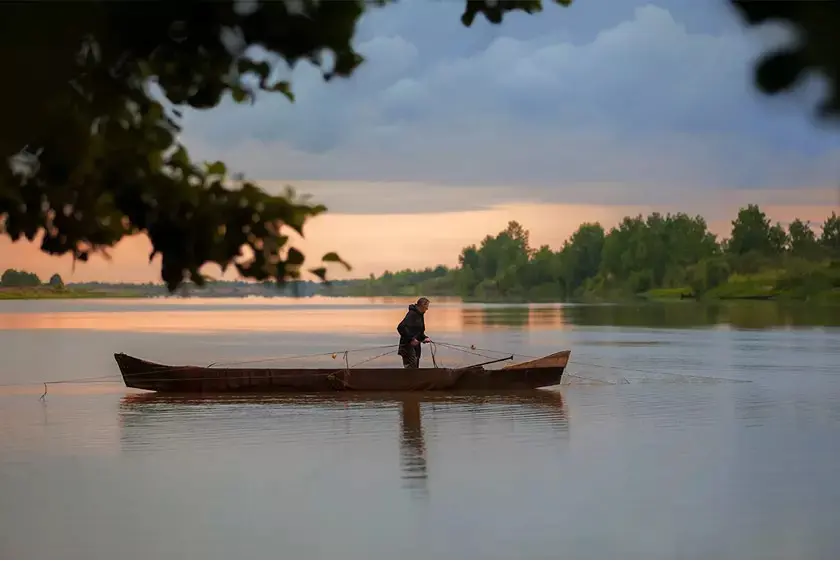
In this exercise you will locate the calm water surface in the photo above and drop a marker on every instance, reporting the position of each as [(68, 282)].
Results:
[(717, 437)]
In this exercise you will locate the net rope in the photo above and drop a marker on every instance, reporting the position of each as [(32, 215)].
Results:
[(437, 357)]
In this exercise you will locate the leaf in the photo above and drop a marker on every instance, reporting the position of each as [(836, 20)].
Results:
[(294, 257), (332, 257), (217, 168), (284, 88), (780, 70), (118, 156), (180, 156), (320, 272), (197, 278), (261, 69), (239, 94)]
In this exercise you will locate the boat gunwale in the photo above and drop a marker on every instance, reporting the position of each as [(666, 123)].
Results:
[(156, 366), (142, 374)]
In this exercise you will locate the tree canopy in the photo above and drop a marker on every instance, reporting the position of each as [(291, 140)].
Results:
[(15, 278), (674, 252), (90, 128), (753, 233)]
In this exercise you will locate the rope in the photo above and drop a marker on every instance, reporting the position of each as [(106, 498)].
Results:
[(372, 359), (163, 369), (166, 370), (463, 350), (659, 373), (294, 372), (472, 348), (294, 357), (467, 349), (346, 367), (114, 378), (94, 380)]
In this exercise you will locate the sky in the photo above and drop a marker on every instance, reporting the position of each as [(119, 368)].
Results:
[(584, 113)]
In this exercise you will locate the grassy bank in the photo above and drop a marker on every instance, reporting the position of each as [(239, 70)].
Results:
[(809, 282), (49, 293)]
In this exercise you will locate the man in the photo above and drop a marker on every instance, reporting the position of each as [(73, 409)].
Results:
[(412, 330)]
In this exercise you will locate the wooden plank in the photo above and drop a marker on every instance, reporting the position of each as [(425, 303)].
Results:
[(560, 359)]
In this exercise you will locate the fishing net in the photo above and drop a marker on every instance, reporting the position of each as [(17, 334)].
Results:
[(442, 364), (581, 373), (456, 356), (436, 354)]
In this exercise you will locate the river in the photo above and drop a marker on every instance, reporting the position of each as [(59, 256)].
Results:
[(681, 430)]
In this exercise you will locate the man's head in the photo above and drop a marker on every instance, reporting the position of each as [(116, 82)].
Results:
[(422, 305)]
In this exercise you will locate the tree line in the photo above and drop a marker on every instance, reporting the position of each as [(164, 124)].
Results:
[(670, 255), (14, 278)]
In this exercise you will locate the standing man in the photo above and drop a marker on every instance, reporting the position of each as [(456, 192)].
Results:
[(412, 330)]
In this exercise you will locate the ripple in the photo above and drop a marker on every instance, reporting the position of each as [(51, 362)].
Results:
[(648, 458)]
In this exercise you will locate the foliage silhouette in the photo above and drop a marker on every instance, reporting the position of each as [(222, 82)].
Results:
[(15, 278), (91, 132)]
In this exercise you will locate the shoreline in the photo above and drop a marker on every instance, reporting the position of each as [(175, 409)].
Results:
[(64, 294), (652, 296)]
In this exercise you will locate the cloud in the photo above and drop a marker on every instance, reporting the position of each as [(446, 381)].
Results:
[(548, 107)]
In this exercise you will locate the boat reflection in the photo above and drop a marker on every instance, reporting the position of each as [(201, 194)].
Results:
[(149, 416)]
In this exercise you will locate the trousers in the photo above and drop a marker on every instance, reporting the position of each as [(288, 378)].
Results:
[(410, 356)]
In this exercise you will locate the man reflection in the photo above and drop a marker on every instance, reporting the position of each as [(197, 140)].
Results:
[(412, 446)]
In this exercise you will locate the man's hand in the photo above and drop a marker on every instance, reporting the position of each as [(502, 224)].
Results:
[(427, 340), (414, 342)]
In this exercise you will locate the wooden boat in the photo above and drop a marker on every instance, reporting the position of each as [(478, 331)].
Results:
[(533, 374)]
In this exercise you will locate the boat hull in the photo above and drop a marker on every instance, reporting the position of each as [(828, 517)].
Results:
[(145, 375)]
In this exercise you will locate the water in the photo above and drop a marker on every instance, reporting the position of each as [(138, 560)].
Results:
[(716, 439)]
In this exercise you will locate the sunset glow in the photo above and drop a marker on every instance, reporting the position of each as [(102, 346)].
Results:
[(374, 243)]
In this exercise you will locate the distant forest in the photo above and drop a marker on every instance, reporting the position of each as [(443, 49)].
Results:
[(671, 256), (658, 257)]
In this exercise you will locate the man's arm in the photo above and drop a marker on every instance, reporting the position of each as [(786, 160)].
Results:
[(421, 335)]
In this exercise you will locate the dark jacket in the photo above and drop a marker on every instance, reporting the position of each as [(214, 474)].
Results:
[(413, 326)]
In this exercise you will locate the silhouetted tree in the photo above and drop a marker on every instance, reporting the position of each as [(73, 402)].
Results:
[(802, 241), (15, 278), (753, 233), (91, 132)]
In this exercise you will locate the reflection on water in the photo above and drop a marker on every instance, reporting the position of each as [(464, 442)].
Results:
[(374, 316), (680, 469), (150, 422), (534, 317), (741, 315), (412, 446)]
